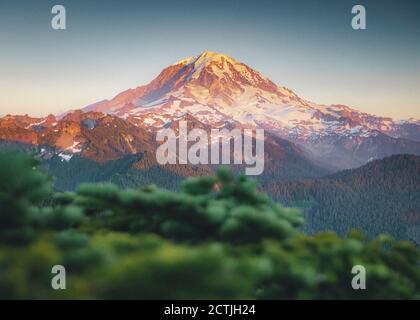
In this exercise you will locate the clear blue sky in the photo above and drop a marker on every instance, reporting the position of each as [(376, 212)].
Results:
[(308, 46)]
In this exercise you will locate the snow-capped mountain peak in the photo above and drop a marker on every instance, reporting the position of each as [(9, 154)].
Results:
[(219, 91), (215, 88)]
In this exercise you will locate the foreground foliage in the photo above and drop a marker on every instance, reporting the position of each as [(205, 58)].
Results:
[(216, 238)]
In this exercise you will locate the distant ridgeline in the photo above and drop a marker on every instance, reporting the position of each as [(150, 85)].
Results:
[(380, 197)]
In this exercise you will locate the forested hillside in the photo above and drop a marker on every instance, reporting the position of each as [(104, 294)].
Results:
[(284, 161), (380, 197), (217, 238)]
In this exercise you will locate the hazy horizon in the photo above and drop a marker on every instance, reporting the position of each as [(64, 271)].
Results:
[(110, 46)]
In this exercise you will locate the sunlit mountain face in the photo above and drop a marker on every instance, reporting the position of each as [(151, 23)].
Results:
[(305, 148), (213, 90)]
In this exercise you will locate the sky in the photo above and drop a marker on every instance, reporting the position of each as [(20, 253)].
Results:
[(307, 46)]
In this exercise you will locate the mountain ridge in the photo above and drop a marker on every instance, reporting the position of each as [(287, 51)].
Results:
[(219, 91)]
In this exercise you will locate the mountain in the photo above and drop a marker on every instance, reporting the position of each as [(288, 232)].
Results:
[(93, 135), (95, 147), (217, 89), (303, 139), (381, 197), (305, 143)]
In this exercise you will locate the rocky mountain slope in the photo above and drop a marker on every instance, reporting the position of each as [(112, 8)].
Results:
[(217, 91)]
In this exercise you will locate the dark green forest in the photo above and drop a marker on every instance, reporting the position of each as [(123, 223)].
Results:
[(380, 197), (217, 237), (385, 191)]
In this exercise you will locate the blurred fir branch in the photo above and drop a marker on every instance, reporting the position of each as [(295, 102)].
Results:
[(216, 238)]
